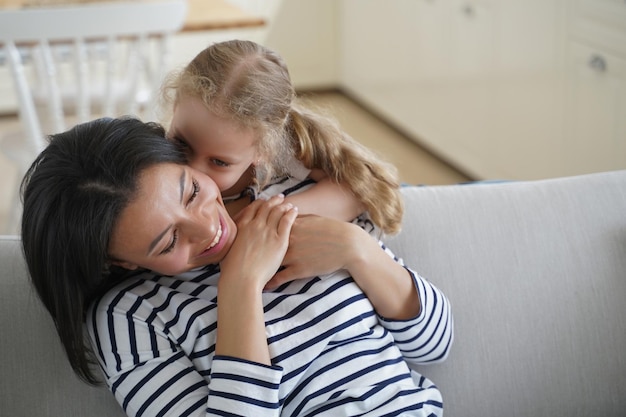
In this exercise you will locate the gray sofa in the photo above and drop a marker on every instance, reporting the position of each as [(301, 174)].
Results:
[(535, 271)]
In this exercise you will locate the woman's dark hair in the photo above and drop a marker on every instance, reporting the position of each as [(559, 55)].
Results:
[(73, 193)]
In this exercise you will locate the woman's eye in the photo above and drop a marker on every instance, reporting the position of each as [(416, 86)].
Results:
[(194, 193), (172, 244), (220, 163), (195, 190)]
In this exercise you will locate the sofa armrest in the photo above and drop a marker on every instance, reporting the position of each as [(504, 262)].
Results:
[(536, 275)]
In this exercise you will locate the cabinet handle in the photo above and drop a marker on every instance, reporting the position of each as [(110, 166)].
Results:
[(598, 63)]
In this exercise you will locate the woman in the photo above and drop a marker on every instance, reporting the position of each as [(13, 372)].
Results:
[(215, 331)]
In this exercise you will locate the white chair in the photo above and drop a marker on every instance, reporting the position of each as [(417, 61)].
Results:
[(72, 63)]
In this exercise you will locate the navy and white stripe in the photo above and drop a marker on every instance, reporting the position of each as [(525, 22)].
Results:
[(331, 353)]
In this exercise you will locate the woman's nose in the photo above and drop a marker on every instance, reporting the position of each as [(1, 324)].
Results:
[(199, 231), (202, 225)]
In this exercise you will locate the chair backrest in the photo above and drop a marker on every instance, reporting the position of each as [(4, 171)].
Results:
[(82, 61)]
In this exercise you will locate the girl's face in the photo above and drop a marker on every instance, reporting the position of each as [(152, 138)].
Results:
[(176, 222), (215, 145)]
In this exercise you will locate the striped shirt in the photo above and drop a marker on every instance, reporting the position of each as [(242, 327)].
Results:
[(154, 337)]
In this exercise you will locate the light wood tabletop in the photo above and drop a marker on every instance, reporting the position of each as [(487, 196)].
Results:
[(201, 14)]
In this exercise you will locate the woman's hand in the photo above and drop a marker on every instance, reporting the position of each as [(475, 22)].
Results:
[(262, 237), (263, 229)]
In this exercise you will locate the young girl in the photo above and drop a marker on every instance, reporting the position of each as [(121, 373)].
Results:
[(236, 113)]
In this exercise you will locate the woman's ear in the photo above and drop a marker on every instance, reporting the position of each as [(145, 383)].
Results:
[(124, 264)]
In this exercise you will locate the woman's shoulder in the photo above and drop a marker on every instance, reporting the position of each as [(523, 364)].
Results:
[(296, 169), (147, 290)]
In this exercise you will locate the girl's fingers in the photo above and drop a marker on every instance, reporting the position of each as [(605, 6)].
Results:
[(282, 276)]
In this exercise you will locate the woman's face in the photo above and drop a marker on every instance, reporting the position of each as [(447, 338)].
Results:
[(215, 145), (176, 222)]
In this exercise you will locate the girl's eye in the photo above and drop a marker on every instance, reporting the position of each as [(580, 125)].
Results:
[(171, 246), (220, 163), (195, 190)]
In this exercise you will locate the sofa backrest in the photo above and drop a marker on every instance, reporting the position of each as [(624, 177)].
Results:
[(36, 379), (535, 272), (536, 275)]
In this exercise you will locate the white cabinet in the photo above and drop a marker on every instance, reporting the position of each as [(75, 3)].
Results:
[(408, 62), (596, 103), (503, 89), (596, 86)]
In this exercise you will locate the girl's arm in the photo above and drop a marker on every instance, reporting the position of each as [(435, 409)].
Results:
[(319, 246), (327, 198), (416, 312)]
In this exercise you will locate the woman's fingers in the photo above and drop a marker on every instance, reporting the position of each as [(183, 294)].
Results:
[(261, 242), (260, 208), (286, 220), (276, 214)]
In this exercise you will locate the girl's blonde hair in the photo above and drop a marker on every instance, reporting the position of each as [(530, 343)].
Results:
[(250, 84)]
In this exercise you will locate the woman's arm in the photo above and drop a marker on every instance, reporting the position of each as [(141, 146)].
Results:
[(146, 354), (150, 375), (262, 238), (327, 198)]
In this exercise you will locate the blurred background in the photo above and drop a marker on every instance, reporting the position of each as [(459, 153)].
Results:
[(448, 90)]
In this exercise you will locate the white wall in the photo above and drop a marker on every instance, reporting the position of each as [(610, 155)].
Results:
[(305, 33)]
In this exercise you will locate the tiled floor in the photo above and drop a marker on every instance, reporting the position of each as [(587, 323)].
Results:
[(415, 165)]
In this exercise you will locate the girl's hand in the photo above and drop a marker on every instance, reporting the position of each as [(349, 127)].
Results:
[(319, 245), (262, 239)]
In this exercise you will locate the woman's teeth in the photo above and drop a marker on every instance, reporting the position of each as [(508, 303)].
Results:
[(217, 238)]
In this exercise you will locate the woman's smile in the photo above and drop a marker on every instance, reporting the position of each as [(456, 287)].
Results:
[(220, 239)]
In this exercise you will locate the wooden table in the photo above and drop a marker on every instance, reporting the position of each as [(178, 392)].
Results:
[(201, 15), (218, 14)]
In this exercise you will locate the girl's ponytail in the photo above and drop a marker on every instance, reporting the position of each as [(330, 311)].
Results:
[(320, 143)]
